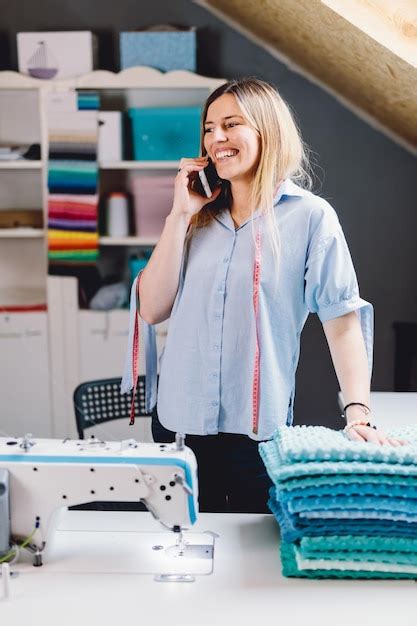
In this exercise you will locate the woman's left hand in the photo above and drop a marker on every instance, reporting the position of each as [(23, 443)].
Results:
[(373, 435)]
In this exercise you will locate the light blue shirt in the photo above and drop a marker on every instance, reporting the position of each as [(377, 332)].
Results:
[(206, 370)]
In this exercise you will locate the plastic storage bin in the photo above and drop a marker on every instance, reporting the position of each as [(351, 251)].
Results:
[(164, 50), (152, 196), (166, 133)]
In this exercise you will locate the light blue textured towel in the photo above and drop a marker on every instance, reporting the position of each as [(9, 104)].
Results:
[(345, 480), (317, 443), (293, 527), (352, 503), (302, 451), (386, 489)]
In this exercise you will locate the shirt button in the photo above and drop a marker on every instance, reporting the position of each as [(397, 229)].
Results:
[(226, 259), (215, 403), (217, 316), (216, 346), (220, 288), (214, 374)]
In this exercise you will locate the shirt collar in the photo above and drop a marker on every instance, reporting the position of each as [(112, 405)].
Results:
[(285, 190), (288, 189)]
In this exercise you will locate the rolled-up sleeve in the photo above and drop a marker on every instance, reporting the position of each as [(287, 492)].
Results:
[(331, 286)]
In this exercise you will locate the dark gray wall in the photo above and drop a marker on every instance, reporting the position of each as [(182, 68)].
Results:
[(371, 181)]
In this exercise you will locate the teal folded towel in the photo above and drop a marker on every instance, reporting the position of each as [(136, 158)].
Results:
[(294, 564)]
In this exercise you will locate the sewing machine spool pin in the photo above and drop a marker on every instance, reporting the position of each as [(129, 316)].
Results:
[(27, 442)]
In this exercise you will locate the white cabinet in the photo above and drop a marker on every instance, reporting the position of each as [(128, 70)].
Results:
[(103, 340), (24, 381)]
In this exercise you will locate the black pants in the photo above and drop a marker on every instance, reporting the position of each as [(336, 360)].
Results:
[(231, 474)]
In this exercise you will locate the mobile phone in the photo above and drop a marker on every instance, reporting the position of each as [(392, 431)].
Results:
[(207, 181)]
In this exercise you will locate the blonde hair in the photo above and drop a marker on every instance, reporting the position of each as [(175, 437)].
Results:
[(282, 151)]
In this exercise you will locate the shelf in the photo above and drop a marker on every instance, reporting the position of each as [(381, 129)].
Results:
[(133, 78), (24, 233), (38, 233), (139, 165), (20, 164), (128, 241)]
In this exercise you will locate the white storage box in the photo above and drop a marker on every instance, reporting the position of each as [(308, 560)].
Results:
[(56, 54), (110, 136)]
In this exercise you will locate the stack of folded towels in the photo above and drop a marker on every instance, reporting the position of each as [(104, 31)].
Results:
[(346, 509), (73, 180)]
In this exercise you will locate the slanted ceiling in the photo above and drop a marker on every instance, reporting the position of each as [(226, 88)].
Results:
[(363, 51)]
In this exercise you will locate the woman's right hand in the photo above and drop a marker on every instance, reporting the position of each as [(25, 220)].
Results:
[(187, 202)]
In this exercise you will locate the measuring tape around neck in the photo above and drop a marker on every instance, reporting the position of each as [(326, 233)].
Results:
[(256, 368), (135, 354)]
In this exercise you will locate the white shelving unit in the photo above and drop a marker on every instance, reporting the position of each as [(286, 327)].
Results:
[(128, 241), (71, 344), (141, 86), (22, 233), (20, 164)]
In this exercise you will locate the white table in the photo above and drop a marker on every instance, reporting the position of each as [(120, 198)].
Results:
[(245, 589), (392, 408)]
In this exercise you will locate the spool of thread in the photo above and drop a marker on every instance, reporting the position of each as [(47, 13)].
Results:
[(117, 214)]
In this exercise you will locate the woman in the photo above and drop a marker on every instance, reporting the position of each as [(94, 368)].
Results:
[(237, 275)]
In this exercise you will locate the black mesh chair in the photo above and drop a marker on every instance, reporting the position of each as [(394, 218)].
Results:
[(100, 401)]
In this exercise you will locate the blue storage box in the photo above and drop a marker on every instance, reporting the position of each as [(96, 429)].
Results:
[(165, 133), (164, 50)]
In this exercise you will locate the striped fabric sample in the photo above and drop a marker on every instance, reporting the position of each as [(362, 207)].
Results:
[(345, 509)]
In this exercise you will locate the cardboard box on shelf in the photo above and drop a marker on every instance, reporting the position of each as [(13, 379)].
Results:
[(18, 218)]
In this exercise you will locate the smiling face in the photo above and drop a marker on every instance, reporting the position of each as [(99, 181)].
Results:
[(230, 141)]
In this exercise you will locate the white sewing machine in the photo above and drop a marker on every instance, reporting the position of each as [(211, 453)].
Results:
[(38, 476)]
